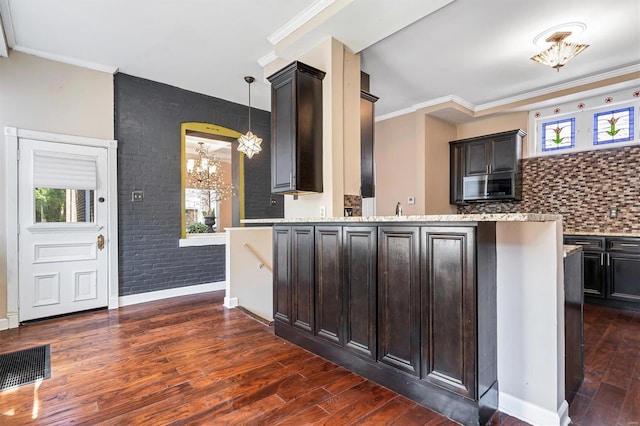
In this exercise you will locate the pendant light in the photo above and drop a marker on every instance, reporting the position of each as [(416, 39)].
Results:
[(249, 144)]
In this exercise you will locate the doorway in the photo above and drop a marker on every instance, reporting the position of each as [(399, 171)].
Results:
[(64, 256)]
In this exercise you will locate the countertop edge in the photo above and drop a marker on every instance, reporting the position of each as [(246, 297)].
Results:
[(505, 217)]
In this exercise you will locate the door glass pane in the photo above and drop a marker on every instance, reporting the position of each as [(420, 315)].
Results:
[(64, 205)]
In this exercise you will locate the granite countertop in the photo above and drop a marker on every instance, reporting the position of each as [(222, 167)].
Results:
[(498, 217), (571, 249), (604, 234)]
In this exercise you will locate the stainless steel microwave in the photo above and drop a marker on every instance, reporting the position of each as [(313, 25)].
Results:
[(487, 187)]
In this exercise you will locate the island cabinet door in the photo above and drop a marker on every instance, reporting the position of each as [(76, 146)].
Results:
[(399, 297), (360, 270), (329, 301), (302, 277), (448, 308), (282, 274)]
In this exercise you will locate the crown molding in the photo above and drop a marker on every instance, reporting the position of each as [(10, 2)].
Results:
[(267, 59), (7, 22), (395, 114), (559, 87), (450, 98), (68, 60), (513, 99), (299, 20)]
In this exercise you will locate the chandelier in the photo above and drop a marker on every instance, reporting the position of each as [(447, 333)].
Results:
[(560, 52), (249, 144), (205, 172)]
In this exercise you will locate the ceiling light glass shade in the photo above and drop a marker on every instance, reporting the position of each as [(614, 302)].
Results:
[(249, 144), (559, 54)]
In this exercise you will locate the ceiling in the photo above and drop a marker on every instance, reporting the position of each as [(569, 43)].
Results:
[(418, 52)]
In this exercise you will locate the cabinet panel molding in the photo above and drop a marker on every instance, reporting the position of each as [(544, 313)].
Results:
[(398, 298), (329, 305)]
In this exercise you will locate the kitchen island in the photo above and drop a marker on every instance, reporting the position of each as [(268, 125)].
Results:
[(462, 313)]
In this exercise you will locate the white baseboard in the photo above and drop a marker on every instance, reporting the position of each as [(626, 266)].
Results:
[(230, 302), (534, 414), (4, 323), (134, 299)]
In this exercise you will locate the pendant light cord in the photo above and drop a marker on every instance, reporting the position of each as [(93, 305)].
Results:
[(249, 80)]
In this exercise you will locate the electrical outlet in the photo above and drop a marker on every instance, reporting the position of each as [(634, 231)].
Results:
[(613, 212), (137, 196), (323, 211), (411, 200)]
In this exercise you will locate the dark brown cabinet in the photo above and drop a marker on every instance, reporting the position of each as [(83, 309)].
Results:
[(449, 309), (302, 277), (367, 126), (282, 274), (296, 129), (329, 315), (293, 276), (486, 168), (409, 305), (573, 324), (611, 269), (399, 297), (497, 153), (360, 278)]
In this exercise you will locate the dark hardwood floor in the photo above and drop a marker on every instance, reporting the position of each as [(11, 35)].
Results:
[(188, 360)]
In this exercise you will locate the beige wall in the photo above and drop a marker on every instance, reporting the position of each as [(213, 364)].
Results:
[(438, 134), (338, 91), (39, 94), (351, 116), (396, 173), (412, 158)]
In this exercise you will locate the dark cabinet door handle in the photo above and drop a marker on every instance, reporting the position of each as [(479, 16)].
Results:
[(601, 259)]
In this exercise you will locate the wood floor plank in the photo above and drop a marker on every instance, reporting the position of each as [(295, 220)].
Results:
[(388, 412), (190, 360), (630, 411)]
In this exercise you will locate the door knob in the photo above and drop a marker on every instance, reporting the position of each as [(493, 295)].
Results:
[(100, 242)]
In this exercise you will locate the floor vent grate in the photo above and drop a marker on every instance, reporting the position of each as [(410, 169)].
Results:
[(25, 366)]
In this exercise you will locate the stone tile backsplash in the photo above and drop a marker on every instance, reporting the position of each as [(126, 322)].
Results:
[(353, 202), (582, 187)]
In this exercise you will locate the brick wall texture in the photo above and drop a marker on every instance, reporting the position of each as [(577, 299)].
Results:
[(147, 127), (581, 187)]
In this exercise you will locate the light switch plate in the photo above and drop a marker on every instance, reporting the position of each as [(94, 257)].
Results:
[(411, 200)]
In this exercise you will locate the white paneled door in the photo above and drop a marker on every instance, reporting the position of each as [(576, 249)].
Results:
[(62, 211)]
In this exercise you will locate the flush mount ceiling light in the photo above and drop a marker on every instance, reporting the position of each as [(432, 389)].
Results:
[(249, 144), (560, 51)]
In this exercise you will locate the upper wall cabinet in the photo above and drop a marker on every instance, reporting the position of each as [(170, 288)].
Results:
[(367, 126), (496, 153), (296, 129), (486, 168)]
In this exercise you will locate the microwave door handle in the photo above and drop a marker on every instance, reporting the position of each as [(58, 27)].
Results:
[(486, 187)]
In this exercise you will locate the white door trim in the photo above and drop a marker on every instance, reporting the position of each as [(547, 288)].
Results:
[(12, 135)]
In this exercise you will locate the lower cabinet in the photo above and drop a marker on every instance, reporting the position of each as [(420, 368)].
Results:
[(302, 277), (410, 306), (329, 312), (399, 298), (360, 278), (449, 308), (611, 269)]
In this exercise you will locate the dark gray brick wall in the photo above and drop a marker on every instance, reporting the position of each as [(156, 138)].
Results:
[(147, 127)]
